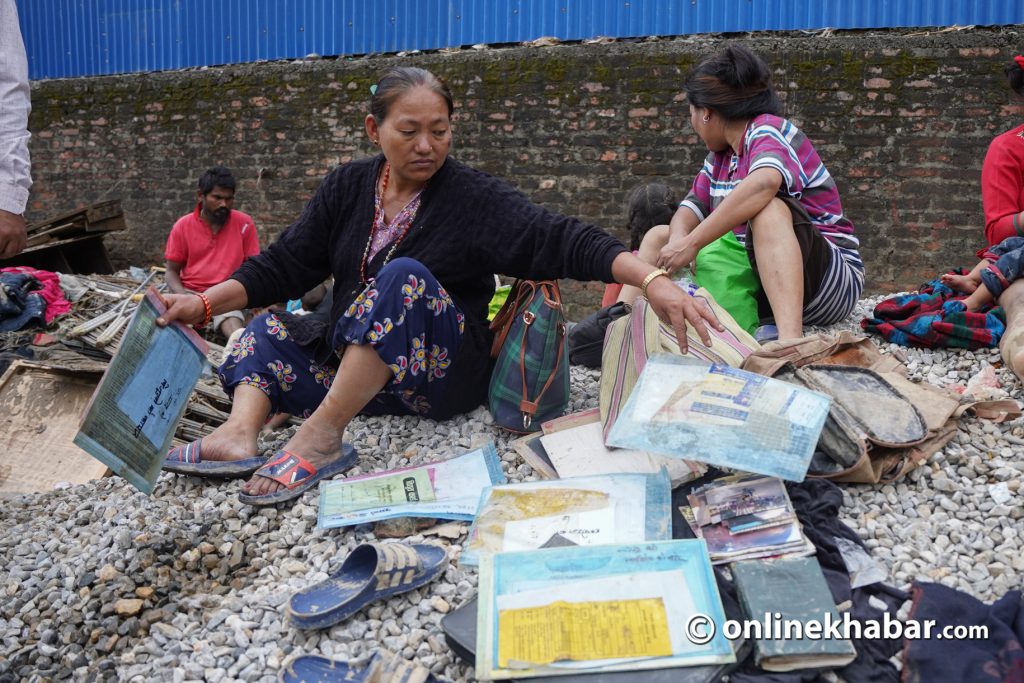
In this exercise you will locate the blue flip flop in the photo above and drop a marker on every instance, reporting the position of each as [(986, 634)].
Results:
[(297, 475), (371, 572), (384, 668), (187, 460)]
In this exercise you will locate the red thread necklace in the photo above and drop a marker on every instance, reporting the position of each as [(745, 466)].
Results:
[(378, 213)]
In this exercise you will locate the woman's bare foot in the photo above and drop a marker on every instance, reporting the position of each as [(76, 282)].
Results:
[(959, 283), (318, 446), (276, 421), (228, 442)]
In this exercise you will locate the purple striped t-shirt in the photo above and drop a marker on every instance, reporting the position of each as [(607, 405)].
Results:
[(773, 142)]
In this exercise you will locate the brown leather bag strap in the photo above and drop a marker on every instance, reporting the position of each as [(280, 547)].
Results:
[(552, 298), (518, 296)]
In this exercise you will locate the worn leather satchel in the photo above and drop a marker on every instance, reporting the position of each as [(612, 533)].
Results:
[(881, 425)]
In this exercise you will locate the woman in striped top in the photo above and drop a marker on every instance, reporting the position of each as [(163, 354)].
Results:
[(763, 180)]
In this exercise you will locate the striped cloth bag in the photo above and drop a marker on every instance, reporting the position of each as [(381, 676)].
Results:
[(632, 338)]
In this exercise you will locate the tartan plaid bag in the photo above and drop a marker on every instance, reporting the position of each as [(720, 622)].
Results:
[(530, 380)]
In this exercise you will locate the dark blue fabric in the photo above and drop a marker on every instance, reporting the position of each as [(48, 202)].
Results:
[(406, 316), (20, 304), (1010, 263), (997, 658)]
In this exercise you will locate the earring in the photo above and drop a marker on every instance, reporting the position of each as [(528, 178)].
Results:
[(375, 142), (706, 119)]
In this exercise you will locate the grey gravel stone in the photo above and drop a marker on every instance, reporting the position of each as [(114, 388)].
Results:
[(214, 576)]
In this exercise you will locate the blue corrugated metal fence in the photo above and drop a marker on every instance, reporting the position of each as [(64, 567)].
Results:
[(67, 38)]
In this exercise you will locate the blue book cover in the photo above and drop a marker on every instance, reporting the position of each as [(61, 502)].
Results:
[(723, 416), (574, 610)]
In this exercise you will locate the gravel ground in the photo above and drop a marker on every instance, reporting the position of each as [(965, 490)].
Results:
[(101, 582)]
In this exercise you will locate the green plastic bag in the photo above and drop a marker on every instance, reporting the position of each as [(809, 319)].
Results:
[(723, 269), (498, 300)]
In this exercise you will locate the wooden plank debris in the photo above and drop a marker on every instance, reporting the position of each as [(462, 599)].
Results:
[(72, 242)]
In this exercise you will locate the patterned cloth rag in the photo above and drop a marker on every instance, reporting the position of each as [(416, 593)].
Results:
[(935, 317)]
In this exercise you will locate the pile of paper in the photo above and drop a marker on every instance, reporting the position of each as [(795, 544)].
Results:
[(745, 517), (598, 510), (573, 446), (441, 490)]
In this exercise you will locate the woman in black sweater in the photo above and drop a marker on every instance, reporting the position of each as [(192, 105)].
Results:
[(412, 238)]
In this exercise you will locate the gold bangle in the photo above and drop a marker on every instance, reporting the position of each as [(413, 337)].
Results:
[(657, 272)]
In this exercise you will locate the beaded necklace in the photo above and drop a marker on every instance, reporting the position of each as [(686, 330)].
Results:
[(378, 212)]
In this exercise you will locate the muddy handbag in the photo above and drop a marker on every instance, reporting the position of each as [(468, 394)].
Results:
[(880, 425), (530, 380)]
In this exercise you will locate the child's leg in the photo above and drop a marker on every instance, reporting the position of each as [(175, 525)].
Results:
[(965, 283), (996, 277), (979, 298)]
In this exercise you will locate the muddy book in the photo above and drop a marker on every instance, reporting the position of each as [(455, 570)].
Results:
[(595, 510), (721, 415), (130, 420), (448, 489), (574, 610), (790, 597)]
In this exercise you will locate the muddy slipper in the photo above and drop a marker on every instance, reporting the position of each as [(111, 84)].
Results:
[(297, 475), (187, 459), (371, 572), (385, 667)]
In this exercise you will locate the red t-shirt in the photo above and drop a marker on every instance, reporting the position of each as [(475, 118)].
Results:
[(1002, 186), (209, 259)]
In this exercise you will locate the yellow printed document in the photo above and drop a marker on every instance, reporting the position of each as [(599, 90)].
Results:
[(583, 631)]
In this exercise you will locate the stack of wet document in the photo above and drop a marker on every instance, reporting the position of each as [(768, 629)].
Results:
[(745, 516)]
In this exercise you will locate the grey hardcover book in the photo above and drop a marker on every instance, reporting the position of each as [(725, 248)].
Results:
[(790, 596)]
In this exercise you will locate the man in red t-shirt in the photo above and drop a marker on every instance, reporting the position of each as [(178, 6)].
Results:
[(206, 246)]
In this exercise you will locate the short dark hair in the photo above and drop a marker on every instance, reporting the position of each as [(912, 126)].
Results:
[(647, 205), (401, 79), (1015, 76), (218, 176), (735, 82)]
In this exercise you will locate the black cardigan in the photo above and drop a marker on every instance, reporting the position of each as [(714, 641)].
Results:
[(469, 226)]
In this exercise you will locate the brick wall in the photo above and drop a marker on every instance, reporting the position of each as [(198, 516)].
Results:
[(902, 122)]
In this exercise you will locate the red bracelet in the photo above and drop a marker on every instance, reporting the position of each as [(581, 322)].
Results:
[(207, 309)]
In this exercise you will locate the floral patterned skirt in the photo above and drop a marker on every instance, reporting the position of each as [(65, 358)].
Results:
[(404, 313)]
